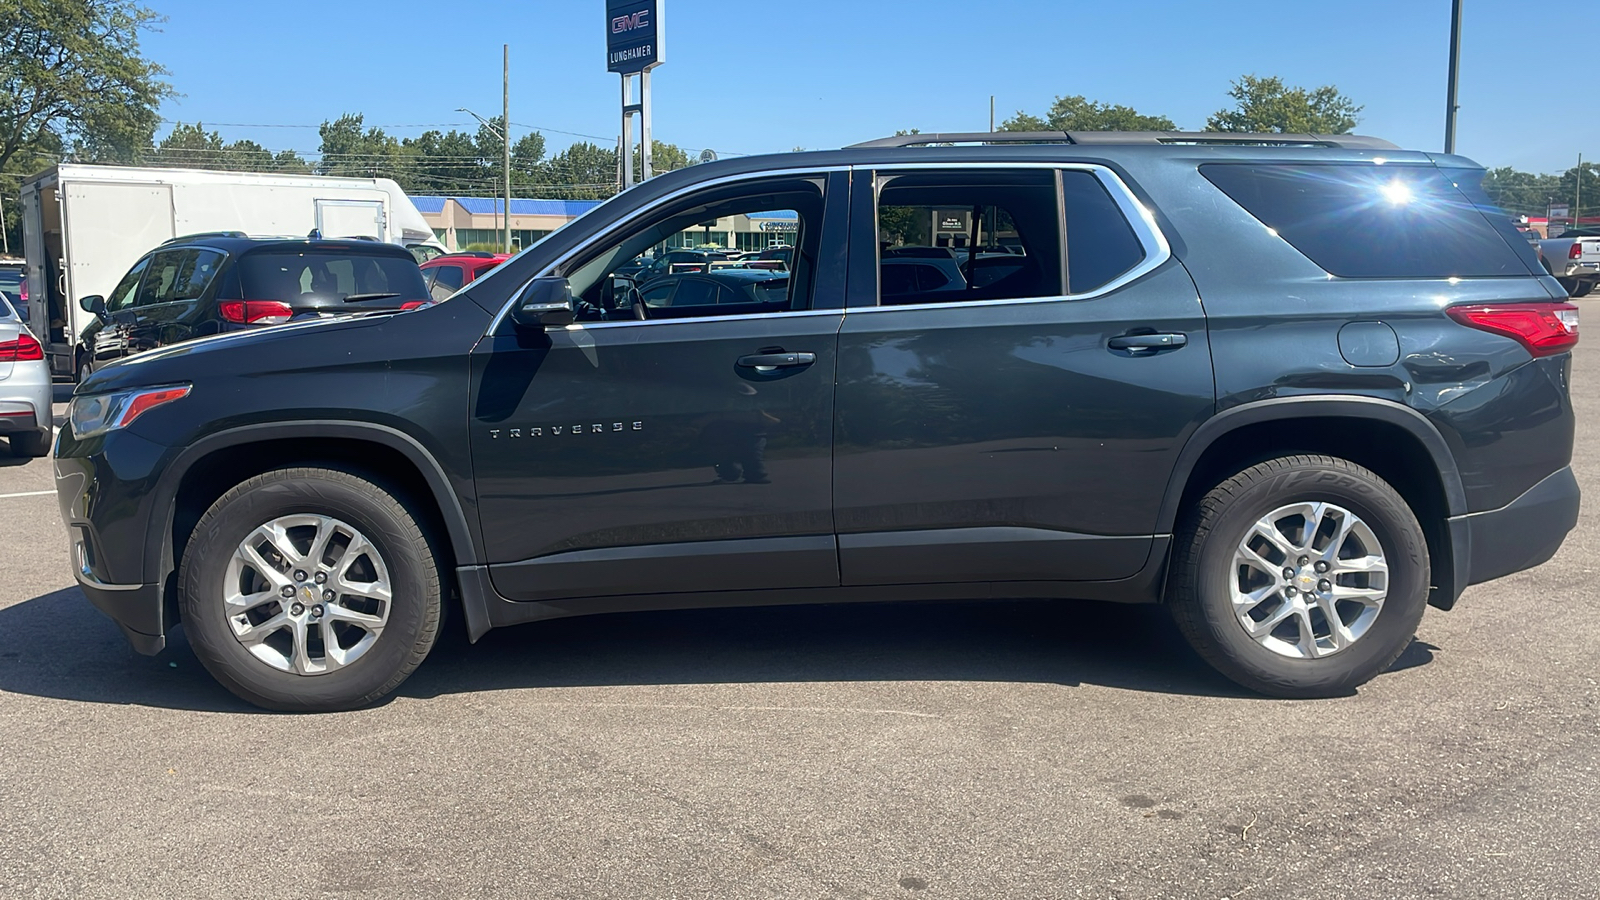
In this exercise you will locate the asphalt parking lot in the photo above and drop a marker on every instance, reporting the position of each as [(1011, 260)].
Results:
[(948, 750)]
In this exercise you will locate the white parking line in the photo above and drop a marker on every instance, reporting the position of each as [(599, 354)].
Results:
[(25, 494)]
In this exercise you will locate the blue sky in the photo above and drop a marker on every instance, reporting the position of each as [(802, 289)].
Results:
[(762, 77)]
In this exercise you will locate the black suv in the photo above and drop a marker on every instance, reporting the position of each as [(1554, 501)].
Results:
[(212, 283), (1296, 388)]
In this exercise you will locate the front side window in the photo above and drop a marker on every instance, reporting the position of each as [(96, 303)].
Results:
[(678, 263), (968, 235), (179, 275), (122, 295)]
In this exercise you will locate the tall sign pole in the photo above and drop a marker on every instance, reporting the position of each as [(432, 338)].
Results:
[(1450, 104), (505, 137), (635, 38)]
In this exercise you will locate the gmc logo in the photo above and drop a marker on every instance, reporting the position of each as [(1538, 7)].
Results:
[(623, 24)]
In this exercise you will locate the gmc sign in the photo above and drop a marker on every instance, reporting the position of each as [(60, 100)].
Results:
[(633, 35)]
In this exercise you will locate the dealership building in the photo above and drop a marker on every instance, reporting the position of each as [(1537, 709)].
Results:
[(461, 221)]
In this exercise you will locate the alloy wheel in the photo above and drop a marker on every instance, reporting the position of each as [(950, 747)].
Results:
[(307, 594), (1308, 580)]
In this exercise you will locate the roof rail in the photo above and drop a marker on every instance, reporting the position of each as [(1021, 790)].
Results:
[(1215, 138), (202, 235)]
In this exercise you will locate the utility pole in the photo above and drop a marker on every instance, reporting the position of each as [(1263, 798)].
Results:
[(1451, 90), (991, 113), (505, 134)]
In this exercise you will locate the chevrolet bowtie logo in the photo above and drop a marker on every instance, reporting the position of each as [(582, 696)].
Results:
[(561, 430)]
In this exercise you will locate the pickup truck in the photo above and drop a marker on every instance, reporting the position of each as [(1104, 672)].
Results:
[(1574, 259)]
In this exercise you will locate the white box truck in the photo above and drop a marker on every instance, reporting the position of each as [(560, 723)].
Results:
[(84, 226)]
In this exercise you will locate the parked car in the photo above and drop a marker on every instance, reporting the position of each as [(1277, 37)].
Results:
[(25, 418), (202, 285), (1574, 259), (1295, 388), (735, 291), (14, 285), (444, 275)]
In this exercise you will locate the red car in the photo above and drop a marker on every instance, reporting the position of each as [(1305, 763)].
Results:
[(450, 273)]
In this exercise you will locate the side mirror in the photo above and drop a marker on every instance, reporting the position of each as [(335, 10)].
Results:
[(94, 303), (545, 303)]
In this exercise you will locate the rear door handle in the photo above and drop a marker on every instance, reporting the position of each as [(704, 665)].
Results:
[(1148, 343), (777, 360)]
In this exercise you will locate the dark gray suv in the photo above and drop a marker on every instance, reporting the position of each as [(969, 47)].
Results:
[(1296, 388)]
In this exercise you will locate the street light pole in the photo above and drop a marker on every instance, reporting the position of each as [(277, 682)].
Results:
[(505, 137), (1451, 90), (505, 140)]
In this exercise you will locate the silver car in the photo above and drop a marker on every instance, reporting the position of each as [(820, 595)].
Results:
[(24, 386)]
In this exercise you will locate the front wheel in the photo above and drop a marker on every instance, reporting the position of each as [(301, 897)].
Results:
[(1303, 576), (310, 590)]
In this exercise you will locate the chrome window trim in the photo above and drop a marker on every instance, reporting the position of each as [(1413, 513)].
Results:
[(695, 320), (561, 260), (1143, 222)]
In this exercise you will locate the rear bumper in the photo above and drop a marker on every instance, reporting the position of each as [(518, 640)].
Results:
[(1520, 535)]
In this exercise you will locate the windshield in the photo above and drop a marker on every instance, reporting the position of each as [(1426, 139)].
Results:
[(289, 275)]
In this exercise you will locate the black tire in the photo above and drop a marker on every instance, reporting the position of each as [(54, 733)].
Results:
[(1581, 289), (33, 444), (1199, 594), (1570, 285), (85, 368), (413, 614)]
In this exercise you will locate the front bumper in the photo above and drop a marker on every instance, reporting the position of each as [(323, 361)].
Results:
[(1520, 535)]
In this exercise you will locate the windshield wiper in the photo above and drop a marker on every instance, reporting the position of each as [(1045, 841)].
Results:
[(351, 298)]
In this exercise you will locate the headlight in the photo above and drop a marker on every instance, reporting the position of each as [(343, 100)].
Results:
[(94, 414)]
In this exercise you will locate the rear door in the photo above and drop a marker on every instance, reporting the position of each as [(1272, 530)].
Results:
[(350, 218), (1020, 425), (686, 451), (108, 227)]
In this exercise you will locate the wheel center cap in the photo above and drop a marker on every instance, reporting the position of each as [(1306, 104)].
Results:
[(1306, 582), (308, 594)]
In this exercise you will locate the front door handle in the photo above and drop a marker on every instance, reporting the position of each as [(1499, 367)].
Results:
[(1148, 343), (777, 360)]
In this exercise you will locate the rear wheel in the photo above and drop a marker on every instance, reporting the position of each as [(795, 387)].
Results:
[(85, 368), (310, 589), (1303, 576), (1582, 289)]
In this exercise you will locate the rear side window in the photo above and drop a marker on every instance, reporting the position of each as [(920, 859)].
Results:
[(1360, 220), (282, 275), (1100, 243), (179, 275)]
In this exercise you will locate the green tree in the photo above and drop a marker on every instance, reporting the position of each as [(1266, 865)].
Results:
[(1267, 106), (583, 171), (192, 147), (72, 79), (1522, 193), (527, 154), (1079, 113), (447, 163), (349, 149), (664, 157)]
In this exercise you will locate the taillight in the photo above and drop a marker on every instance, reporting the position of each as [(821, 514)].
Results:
[(254, 312), (1575, 251), (1543, 328), (415, 304), (23, 349)]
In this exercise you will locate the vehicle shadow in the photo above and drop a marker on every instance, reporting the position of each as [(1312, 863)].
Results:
[(57, 646)]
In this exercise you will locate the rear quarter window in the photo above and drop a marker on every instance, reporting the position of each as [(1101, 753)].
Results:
[(1362, 220)]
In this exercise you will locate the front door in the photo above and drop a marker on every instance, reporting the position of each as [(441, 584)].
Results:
[(677, 438), (1009, 411)]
